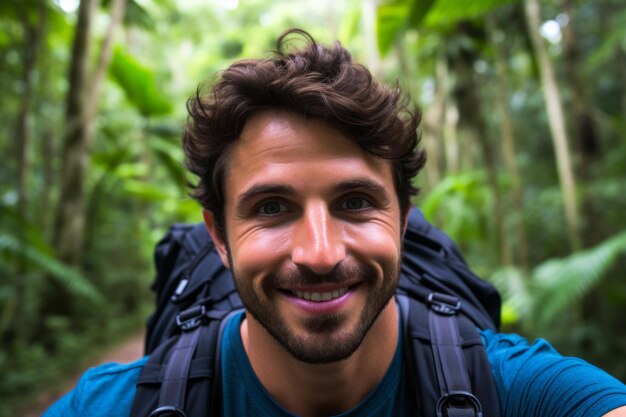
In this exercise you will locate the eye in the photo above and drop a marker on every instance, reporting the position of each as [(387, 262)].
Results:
[(355, 203), (271, 208)]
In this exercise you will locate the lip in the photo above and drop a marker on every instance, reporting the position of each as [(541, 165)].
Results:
[(322, 287), (321, 307)]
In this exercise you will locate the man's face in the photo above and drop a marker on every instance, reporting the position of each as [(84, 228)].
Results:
[(313, 234)]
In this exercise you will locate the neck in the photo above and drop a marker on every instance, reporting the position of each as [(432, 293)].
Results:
[(311, 390)]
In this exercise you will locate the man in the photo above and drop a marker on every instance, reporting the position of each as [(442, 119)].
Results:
[(305, 167)]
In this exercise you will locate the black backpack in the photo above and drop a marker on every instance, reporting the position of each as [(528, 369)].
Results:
[(441, 302)]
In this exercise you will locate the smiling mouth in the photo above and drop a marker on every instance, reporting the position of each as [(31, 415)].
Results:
[(320, 296)]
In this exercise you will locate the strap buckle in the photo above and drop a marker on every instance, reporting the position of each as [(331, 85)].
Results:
[(168, 411), (444, 304), (458, 400), (191, 318)]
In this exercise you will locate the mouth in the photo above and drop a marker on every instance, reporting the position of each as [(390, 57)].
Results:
[(320, 296)]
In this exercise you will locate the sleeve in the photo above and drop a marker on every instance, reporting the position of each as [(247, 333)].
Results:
[(105, 391), (536, 381)]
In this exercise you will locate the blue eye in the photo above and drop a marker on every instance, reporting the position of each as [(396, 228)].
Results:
[(356, 203), (271, 208)]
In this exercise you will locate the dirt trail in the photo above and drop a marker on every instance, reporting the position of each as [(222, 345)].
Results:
[(129, 350)]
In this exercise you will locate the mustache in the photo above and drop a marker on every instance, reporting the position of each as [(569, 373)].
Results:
[(341, 274)]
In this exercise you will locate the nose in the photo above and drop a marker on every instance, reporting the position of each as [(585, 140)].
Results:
[(318, 241)]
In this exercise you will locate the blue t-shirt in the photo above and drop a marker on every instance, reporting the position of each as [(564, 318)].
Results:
[(531, 380), (244, 395)]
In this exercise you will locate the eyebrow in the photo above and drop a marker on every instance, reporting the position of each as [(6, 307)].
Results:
[(364, 184), (261, 189), (287, 190)]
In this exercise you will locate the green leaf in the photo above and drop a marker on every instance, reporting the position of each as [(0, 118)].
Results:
[(137, 16), (145, 191), (419, 10), (614, 39), (70, 278), (459, 201), (138, 84), (553, 287), (561, 282), (349, 26), (391, 19), (451, 11), (131, 170), (394, 18)]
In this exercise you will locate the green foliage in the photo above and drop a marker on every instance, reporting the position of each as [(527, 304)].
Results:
[(68, 277), (560, 283), (351, 22), (169, 156), (556, 286), (459, 204), (450, 11), (136, 15), (397, 16), (139, 84), (390, 18), (24, 245), (611, 43)]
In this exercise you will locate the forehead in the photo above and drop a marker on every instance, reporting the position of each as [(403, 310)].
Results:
[(289, 135), (280, 145)]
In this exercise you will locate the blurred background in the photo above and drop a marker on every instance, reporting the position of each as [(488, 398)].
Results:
[(524, 106)]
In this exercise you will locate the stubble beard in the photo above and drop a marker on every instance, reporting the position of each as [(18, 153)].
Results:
[(324, 341)]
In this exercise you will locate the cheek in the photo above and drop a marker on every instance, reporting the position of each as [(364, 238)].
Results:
[(258, 252), (376, 241)]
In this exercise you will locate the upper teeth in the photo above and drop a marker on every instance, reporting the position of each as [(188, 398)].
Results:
[(320, 296)]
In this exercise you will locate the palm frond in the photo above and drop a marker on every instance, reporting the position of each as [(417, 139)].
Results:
[(561, 282), (512, 283), (556, 285), (72, 280)]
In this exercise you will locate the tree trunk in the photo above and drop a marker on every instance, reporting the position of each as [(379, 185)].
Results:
[(508, 146), (620, 58), (584, 128), (373, 62), (433, 122), (451, 137), (81, 113), (34, 32), (471, 114), (557, 124), (34, 35), (68, 231), (117, 14), (48, 152)]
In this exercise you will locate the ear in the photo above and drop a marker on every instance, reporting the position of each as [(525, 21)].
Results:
[(216, 235), (407, 211)]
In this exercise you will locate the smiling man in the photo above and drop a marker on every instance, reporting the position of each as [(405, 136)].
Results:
[(316, 263), (305, 168)]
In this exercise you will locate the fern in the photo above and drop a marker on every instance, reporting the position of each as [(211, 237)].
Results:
[(556, 285), (71, 279), (513, 285), (561, 282)]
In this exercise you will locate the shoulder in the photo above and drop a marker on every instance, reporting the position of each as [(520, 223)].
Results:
[(107, 390), (535, 379)]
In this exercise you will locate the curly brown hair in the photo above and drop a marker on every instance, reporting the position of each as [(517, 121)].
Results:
[(316, 81)]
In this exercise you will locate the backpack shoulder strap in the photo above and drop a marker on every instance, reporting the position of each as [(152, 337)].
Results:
[(456, 398), (446, 359), (182, 370)]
